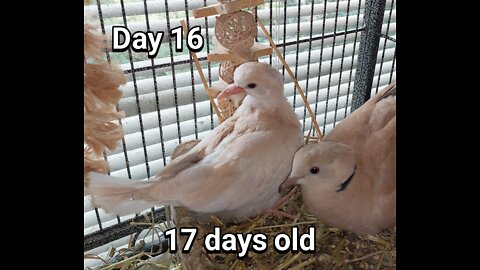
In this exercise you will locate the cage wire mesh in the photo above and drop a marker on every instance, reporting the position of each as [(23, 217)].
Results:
[(165, 102)]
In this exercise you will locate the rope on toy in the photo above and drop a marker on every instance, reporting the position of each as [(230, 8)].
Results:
[(100, 98)]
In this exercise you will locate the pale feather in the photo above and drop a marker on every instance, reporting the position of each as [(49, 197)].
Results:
[(368, 204), (235, 170)]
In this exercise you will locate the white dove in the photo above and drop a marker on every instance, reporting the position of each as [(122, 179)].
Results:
[(348, 180), (235, 172)]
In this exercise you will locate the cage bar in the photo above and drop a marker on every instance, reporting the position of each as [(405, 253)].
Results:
[(368, 50)]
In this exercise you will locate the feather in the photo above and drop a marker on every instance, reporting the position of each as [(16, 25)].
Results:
[(236, 170), (362, 150)]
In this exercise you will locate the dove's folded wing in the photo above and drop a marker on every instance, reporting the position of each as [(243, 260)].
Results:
[(224, 181), (181, 163), (199, 151)]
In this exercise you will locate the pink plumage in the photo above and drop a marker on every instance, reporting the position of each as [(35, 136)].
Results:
[(348, 180)]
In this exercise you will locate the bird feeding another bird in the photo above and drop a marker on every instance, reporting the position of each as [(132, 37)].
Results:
[(235, 171), (348, 180)]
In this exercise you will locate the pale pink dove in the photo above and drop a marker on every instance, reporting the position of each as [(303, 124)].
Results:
[(348, 180), (235, 171)]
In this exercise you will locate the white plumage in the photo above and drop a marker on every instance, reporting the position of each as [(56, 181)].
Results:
[(235, 171)]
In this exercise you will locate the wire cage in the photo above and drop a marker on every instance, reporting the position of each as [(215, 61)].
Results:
[(341, 52)]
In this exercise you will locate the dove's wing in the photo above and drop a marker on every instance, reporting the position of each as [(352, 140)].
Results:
[(198, 152), (371, 132), (183, 162), (244, 173), (380, 147), (366, 120)]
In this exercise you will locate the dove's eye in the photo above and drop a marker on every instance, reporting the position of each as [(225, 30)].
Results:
[(251, 85), (314, 170)]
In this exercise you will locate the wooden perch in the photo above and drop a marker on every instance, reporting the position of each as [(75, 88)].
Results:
[(216, 88), (226, 8), (222, 54), (202, 77)]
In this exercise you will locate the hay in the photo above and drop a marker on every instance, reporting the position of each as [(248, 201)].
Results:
[(335, 249)]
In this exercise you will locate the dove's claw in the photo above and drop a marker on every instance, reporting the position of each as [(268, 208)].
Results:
[(274, 210), (285, 198)]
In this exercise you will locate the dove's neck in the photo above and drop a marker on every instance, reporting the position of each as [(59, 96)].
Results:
[(265, 105), (273, 113), (357, 208)]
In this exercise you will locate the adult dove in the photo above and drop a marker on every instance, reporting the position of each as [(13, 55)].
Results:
[(235, 171), (348, 180)]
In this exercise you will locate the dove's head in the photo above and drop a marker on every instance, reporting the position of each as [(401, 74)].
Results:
[(333, 190), (258, 80), (323, 170)]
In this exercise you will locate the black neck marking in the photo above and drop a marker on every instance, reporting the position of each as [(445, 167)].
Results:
[(345, 183)]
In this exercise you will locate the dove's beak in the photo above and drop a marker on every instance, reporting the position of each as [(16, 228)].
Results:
[(291, 181), (232, 89)]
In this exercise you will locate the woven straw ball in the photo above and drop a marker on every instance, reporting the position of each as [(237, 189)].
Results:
[(236, 30), (226, 69)]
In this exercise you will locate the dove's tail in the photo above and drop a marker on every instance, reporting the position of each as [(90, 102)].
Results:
[(117, 195)]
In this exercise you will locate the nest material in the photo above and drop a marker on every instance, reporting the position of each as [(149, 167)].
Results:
[(335, 249), (236, 31)]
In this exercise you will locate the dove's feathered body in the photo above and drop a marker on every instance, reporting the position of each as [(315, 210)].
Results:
[(355, 186), (235, 171)]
